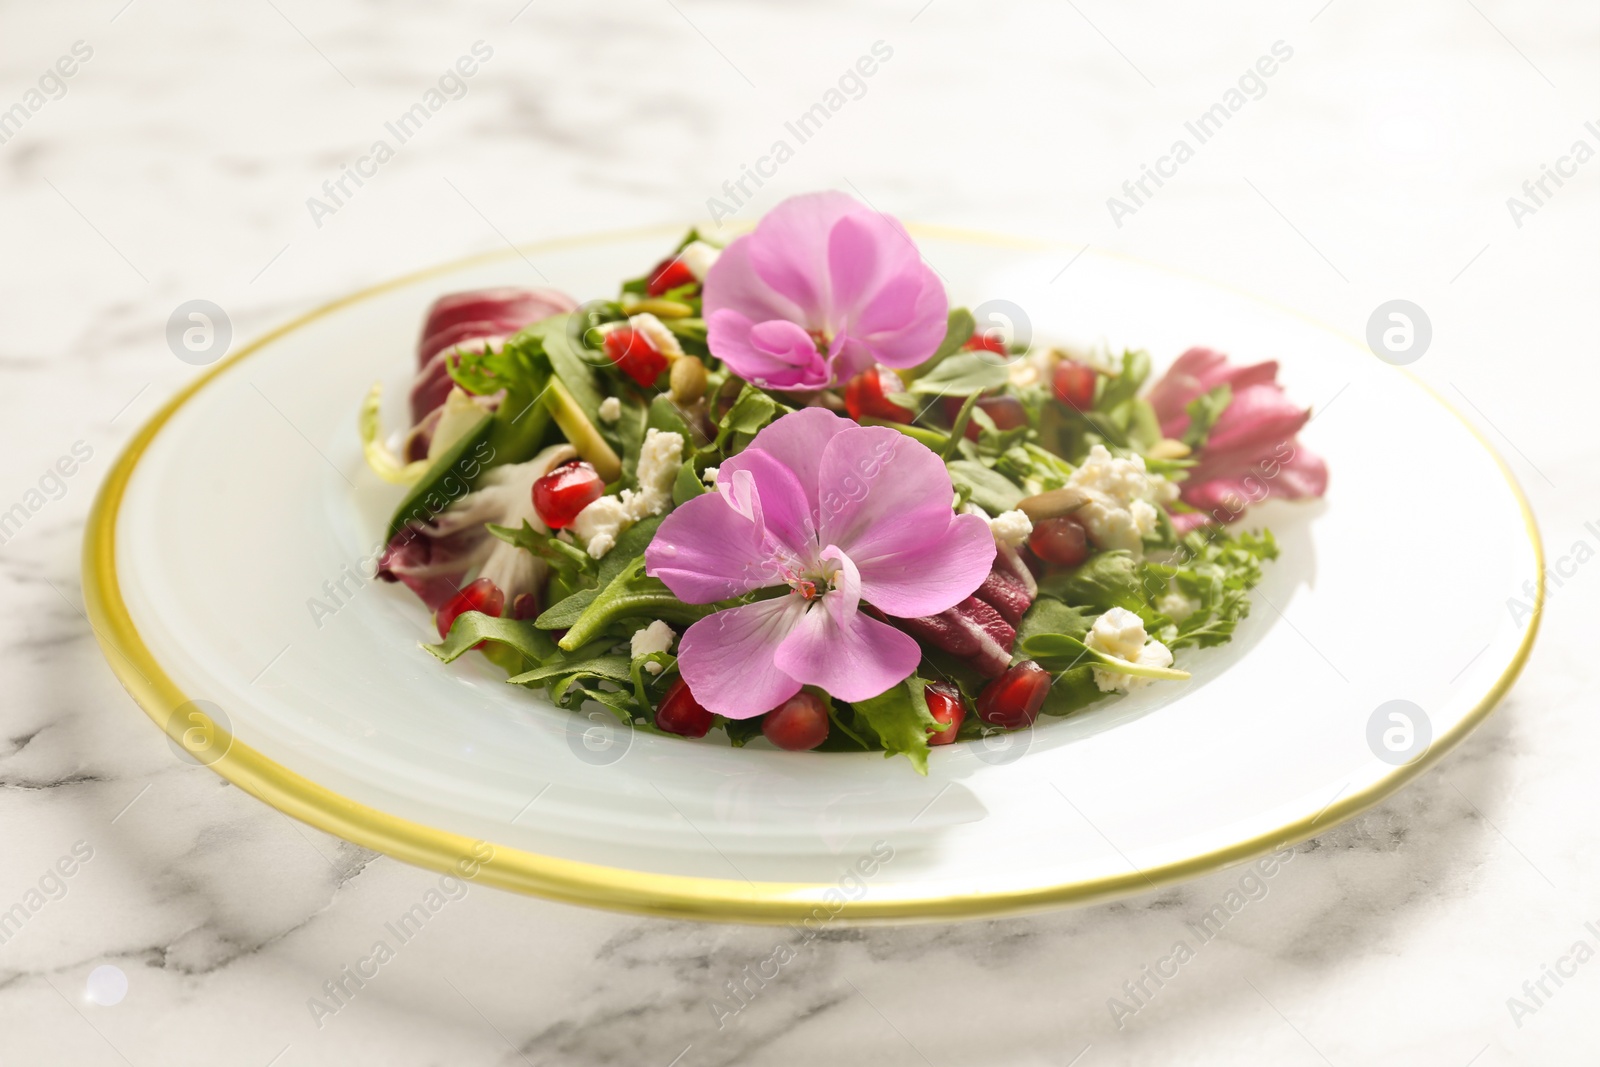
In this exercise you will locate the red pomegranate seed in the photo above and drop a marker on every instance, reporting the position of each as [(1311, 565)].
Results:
[(866, 396), (680, 713), (526, 606), (987, 342), (482, 595), (798, 724), (1006, 411), (634, 355), (669, 274), (1014, 698), (1061, 540), (944, 704), (565, 491), (1074, 384)]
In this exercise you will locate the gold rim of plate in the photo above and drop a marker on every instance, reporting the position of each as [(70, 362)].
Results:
[(620, 889)]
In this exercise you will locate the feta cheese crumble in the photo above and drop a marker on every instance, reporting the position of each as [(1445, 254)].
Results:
[(610, 409), (1122, 497), (1177, 606), (657, 637), (1011, 528), (656, 332), (698, 257), (600, 524), (709, 476), (1120, 633)]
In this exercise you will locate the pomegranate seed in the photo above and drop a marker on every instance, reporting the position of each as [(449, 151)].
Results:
[(1061, 540), (635, 356), (669, 274), (1074, 385), (944, 704), (987, 342), (798, 724), (1014, 698), (866, 396), (565, 491), (526, 606), (680, 713), (482, 595), (1007, 413)]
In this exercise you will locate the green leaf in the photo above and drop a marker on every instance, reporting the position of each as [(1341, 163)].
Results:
[(471, 627), (570, 365), (687, 485), (962, 374), (630, 545), (522, 369), (1124, 386), (750, 412), (1106, 580), (447, 479), (606, 668), (564, 557), (958, 428), (1204, 411), (1050, 616), (563, 613), (1059, 647), (899, 717), (990, 490), (958, 331), (631, 592)]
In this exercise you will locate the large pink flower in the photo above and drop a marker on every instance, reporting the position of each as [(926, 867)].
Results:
[(824, 288), (1251, 452), (844, 516)]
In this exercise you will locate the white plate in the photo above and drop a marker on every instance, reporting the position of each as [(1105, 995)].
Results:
[(233, 507)]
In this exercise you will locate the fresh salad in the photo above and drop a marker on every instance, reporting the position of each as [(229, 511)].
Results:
[(784, 489)]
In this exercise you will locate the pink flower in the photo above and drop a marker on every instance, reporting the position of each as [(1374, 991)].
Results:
[(1252, 452), (844, 516), (824, 288)]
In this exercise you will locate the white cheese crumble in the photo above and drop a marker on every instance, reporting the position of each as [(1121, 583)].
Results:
[(709, 476), (600, 524), (698, 257), (1120, 633), (656, 332), (657, 637), (610, 409), (1120, 511), (1177, 606), (1011, 528)]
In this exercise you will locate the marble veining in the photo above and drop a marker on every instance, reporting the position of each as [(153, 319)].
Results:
[(177, 164)]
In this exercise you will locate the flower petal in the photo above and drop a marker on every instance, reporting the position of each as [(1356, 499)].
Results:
[(911, 574), (706, 551), (733, 284), (789, 251), (773, 353), (784, 503), (797, 441), (874, 482), (728, 657), (857, 659)]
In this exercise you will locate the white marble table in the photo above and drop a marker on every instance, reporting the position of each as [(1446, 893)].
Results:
[(176, 162)]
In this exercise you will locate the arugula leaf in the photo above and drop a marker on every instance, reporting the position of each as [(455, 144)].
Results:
[(630, 592), (1204, 411), (1217, 568), (1050, 616), (900, 718), (1106, 580), (1059, 648), (630, 545), (563, 613), (687, 485), (962, 374), (567, 360), (566, 558), (990, 490), (471, 627), (606, 668)]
